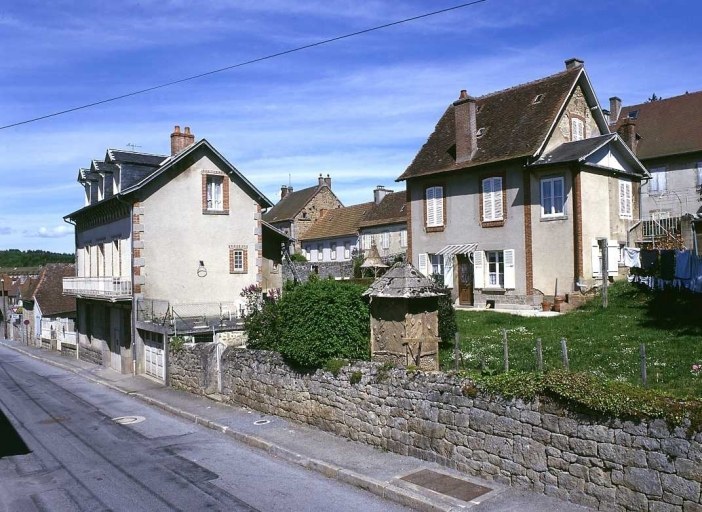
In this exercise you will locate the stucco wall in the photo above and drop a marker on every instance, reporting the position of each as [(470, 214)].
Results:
[(116, 260), (681, 195), (611, 465), (177, 235), (596, 212), (393, 230)]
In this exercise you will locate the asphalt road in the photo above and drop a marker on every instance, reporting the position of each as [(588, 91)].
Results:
[(80, 458)]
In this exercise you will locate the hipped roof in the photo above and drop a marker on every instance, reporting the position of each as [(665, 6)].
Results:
[(338, 222), (403, 281), (391, 210)]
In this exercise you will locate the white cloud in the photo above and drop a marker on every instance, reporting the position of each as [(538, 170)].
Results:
[(54, 232)]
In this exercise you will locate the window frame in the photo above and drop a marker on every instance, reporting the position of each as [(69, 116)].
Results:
[(332, 251), (436, 263), (385, 240), (320, 252), (577, 134), (552, 180), (347, 250), (626, 199), (661, 178), (238, 253), (499, 273), (215, 183)]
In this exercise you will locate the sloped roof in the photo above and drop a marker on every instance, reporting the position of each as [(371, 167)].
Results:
[(49, 291), (288, 207), (391, 210), (338, 222), (403, 281), (27, 287), (134, 157), (667, 127), (515, 126)]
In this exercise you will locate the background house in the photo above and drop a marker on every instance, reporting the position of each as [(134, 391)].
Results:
[(512, 190), (163, 247), (666, 135), (385, 224), (295, 213)]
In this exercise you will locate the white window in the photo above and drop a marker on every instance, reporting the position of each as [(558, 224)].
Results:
[(308, 252), (494, 269), (659, 181), (403, 238), (552, 197), (333, 251), (492, 199), (699, 174), (577, 129), (386, 240), (437, 264), (215, 193), (320, 252), (625, 211), (347, 250), (435, 206), (612, 259), (238, 260)]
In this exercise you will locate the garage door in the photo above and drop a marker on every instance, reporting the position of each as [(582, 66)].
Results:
[(153, 354)]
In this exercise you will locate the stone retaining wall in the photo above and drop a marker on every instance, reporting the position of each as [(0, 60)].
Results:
[(90, 354), (68, 350), (193, 368), (616, 465)]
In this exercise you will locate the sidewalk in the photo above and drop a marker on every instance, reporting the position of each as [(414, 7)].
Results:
[(405, 480)]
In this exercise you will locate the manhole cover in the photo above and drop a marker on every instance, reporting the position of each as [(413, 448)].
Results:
[(445, 484), (262, 422), (128, 420)]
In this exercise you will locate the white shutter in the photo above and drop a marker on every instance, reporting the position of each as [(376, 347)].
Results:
[(497, 199), (596, 261), (448, 271), (479, 269), (431, 207), (612, 257), (487, 199), (439, 206), (422, 257), (510, 275)]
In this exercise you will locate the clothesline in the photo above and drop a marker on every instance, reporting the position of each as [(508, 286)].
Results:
[(659, 269)]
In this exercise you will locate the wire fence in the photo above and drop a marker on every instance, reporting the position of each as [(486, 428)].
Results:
[(192, 317)]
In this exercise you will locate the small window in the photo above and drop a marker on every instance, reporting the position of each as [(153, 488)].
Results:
[(552, 197), (659, 182), (699, 174), (332, 251), (495, 269), (625, 200), (538, 99), (347, 250), (403, 238), (577, 129), (238, 260), (386, 240), (634, 114), (434, 199), (320, 252), (480, 132)]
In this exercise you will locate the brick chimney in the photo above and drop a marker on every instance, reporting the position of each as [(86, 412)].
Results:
[(627, 131), (285, 190), (327, 181), (574, 63), (615, 108), (321, 180), (379, 193), (466, 139), (180, 141)]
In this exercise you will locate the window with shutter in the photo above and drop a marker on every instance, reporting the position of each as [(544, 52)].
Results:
[(658, 183), (422, 263), (434, 199), (332, 251), (493, 208), (510, 275), (403, 238), (386, 240), (448, 271), (577, 129)]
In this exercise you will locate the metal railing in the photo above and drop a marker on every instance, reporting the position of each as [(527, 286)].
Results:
[(98, 287), (656, 228), (191, 317)]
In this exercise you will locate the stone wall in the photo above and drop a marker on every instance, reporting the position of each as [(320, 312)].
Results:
[(193, 368), (89, 354), (342, 269), (615, 465), (68, 350)]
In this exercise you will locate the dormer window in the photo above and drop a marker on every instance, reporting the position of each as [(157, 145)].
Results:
[(634, 114), (480, 132), (116, 182), (538, 99)]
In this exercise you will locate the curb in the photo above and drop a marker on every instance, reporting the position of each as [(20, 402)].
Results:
[(380, 488)]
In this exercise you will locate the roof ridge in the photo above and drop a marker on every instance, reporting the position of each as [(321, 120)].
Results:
[(686, 94), (136, 152), (531, 82)]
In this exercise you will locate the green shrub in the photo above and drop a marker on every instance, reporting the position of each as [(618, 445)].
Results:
[(321, 320), (355, 377), (334, 366), (297, 257), (447, 319), (262, 326), (176, 343)]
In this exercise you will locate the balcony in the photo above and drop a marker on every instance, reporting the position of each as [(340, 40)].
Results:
[(105, 288)]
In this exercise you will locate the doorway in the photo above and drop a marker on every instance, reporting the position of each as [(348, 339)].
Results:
[(465, 280)]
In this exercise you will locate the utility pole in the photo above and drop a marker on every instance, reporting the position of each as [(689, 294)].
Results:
[(604, 270), (4, 306)]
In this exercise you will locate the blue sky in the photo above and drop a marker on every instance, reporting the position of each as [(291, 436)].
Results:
[(358, 109)]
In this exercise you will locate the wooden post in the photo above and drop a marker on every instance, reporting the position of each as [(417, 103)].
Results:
[(604, 270), (644, 377), (457, 349), (506, 349), (564, 350), (539, 356)]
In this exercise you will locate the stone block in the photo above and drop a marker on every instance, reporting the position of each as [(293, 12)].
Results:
[(622, 455), (646, 481), (686, 489), (583, 447), (660, 506), (530, 454), (631, 500), (689, 469), (675, 447)]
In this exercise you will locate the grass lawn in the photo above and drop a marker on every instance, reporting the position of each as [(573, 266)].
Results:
[(604, 342)]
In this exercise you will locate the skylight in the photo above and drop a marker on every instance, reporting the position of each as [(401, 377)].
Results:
[(634, 114), (538, 99)]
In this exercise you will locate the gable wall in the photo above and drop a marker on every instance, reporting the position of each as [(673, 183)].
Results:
[(324, 199), (176, 235), (577, 106), (681, 195)]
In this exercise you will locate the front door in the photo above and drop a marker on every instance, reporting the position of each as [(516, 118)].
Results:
[(465, 280)]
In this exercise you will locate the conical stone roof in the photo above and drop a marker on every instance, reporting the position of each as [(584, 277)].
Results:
[(403, 281)]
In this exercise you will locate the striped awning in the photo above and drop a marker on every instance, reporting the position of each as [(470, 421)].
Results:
[(452, 250)]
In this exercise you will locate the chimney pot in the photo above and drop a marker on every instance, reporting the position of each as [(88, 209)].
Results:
[(327, 181), (379, 193), (574, 63), (180, 141), (284, 191), (463, 94), (615, 108), (627, 131)]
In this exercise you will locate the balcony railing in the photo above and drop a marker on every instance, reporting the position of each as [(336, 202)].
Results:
[(192, 317), (662, 227), (111, 288)]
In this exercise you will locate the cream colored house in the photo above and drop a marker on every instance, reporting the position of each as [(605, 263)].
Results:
[(164, 246), (512, 190)]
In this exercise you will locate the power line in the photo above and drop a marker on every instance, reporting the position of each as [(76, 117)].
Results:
[(241, 64)]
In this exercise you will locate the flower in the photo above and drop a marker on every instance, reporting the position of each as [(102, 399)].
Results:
[(696, 369)]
